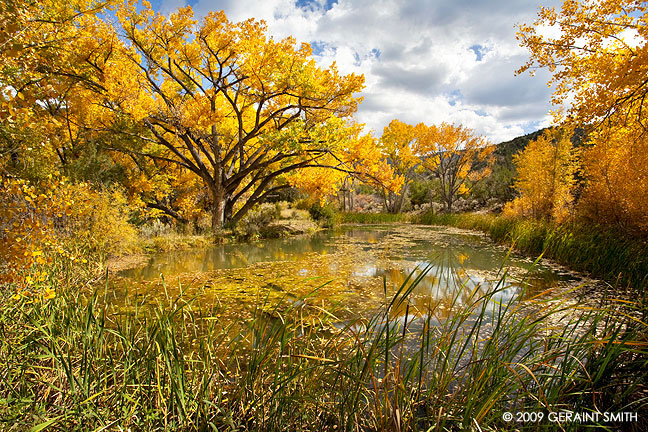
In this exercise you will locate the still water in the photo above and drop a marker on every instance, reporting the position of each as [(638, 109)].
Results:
[(351, 271)]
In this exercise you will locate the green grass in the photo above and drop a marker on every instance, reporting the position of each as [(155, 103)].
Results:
[(373, 218), (602, 251), (77, 363), (174, 241)]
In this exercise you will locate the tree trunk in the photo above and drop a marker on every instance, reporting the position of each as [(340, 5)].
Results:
[(218, 209), (448, 204), (229, 209), (396, 201)]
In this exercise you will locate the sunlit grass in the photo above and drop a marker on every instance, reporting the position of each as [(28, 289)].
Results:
[(75, 363)]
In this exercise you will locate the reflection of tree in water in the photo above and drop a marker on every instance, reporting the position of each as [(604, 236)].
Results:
[(445, 280), (368, 236), (228, 256), (350, 264)]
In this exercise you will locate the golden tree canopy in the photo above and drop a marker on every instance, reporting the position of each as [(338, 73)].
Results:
[(599, 60), (399, 144), (545, 179), (453, 154), (240, 110)]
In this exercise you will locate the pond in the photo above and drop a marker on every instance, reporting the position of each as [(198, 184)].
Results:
[(351, 272)]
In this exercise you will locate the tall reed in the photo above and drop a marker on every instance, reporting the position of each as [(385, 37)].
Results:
[(78, 363)]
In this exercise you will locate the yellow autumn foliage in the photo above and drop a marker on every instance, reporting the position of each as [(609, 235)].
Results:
[(56, 220), (616, 169), (545, 178), (598, 55), (453, 154)]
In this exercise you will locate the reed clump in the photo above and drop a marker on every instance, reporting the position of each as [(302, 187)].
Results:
[(76, 363)]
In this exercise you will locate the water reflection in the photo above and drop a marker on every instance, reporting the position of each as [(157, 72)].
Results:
[(353, 270), (229, 256)]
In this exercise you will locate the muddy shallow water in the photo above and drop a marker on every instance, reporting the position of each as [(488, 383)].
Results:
[(351, 271)]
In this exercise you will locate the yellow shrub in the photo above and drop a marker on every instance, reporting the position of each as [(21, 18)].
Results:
[(100, 223), (616, 169), (56, 220)]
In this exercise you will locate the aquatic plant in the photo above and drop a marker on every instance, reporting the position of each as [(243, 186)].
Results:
[(77, 363)]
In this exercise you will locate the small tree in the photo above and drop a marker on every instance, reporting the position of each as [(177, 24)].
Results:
[(398, 145), (453, 154), (546, 177)]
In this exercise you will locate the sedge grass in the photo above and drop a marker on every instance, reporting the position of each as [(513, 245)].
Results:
[(373, 218), (77, 363)]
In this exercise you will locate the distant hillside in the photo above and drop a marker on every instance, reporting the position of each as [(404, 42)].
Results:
[(499, 184), (504, 151)]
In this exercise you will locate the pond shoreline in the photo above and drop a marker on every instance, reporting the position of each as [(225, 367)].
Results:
[(598, 251), (283, 228), (351, 262)]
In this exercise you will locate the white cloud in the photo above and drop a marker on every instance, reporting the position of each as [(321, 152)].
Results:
[(423, 60)]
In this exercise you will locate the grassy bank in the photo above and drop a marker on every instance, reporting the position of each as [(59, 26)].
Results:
[(176, 241), (373, 218), (603, 252), (74, 363)]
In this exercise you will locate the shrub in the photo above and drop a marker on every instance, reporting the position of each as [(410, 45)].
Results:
[(421, 192), (43, 225), (101, 223), (324, 215), (303, 204), (155, 229), (257, 219)]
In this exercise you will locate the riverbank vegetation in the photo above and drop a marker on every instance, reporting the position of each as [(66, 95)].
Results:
[(374, 218), (620, 259), (76, 363), (125, 131)]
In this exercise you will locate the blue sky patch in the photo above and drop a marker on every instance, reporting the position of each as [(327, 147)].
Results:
[(532, 126), (318, 47), (315, 5), (479, 51), (454, 97)]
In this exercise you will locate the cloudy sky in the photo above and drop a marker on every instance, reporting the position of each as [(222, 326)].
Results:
[(423, 60)]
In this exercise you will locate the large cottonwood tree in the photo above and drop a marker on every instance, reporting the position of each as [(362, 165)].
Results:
[(226, 102)]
